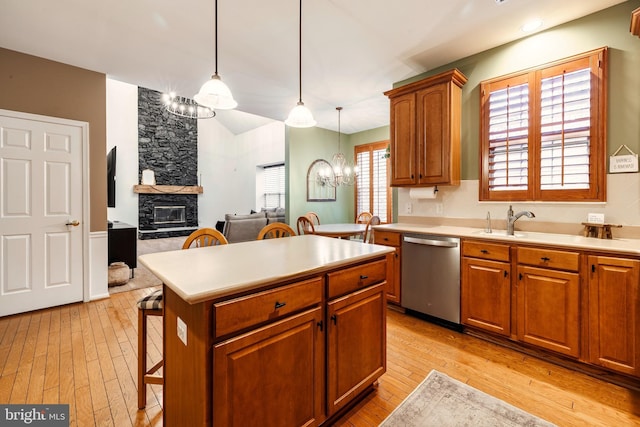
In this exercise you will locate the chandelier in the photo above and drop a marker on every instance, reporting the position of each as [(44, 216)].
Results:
[(185, 107), (342, 171)]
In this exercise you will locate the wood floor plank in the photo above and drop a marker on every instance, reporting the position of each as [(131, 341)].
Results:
[(36, 380)]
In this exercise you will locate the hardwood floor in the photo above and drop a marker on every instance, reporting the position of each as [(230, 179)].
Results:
[(86, 355)]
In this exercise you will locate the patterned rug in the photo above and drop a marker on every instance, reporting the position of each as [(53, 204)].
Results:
[(444, 402), (143, 278)]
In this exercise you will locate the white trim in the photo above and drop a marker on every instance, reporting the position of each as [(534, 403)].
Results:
[(98, 265)]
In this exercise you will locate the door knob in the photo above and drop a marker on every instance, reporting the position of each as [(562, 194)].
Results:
[(75, 223)]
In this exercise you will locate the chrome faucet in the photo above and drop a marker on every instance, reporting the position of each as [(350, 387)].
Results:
[(511, 219)]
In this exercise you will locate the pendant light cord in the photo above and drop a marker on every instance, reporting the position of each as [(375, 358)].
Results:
[(216, 38), (299, 55), (339, 109)]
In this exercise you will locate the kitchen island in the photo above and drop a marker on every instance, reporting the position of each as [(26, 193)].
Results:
[(277, 332)]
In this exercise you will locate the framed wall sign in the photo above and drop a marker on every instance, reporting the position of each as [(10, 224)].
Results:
[(319, 178)]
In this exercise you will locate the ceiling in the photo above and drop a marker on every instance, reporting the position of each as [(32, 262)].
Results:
[(352, 50)]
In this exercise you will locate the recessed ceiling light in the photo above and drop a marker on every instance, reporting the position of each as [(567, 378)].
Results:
[(531, 25)]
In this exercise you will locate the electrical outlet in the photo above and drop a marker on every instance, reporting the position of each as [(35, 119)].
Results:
[(182, 331), (408, 208)]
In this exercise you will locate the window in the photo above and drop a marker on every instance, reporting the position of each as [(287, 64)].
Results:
[(273, 185), (373, 193), (543, 133)]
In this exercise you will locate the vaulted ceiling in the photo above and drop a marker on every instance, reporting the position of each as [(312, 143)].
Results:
[(352, 50)]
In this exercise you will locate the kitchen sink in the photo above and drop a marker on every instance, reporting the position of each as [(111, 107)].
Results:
[(501, 233)]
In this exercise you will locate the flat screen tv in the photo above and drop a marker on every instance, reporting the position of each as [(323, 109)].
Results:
[(111, 178)]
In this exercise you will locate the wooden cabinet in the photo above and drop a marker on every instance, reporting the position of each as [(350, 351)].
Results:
[(284, 361), (291, 355), (486, 287), (356, 344), (548, 299), (394, 277), (614, 313), (123, 241), (425, 131)]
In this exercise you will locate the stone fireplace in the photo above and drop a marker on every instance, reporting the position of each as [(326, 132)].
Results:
[(168, 145)]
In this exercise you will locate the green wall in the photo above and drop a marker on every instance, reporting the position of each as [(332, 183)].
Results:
[(303, 147)]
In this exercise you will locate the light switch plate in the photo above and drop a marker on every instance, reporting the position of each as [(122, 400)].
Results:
[(182, 331)]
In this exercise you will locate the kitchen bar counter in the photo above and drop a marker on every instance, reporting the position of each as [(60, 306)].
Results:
[(620, 246), (244, 319), (201, 274)]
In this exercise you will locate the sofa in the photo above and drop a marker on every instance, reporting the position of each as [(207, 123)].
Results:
[(242, 228)]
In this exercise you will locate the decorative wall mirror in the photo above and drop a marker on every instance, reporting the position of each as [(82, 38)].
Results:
[(319, 176)]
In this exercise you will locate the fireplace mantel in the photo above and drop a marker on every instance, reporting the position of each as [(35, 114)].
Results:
[(168, 189)]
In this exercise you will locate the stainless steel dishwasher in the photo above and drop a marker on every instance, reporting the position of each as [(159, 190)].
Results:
[(431, 276)]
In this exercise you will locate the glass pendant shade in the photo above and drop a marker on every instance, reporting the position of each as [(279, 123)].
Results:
[(215, 95), (300, 117)]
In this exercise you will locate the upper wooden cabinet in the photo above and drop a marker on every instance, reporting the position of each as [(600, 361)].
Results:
[(425, 131)]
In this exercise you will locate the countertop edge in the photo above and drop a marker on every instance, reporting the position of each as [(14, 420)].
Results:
[(619, 246)]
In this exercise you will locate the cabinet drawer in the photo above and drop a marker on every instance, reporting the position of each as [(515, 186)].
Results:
[(240, 313), (485, 250), (562, 260), (388, 238), (350, 279)]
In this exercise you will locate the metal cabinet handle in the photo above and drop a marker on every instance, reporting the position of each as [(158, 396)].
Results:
[(362, 277), (545, 259), (484, 251), (280, 304)]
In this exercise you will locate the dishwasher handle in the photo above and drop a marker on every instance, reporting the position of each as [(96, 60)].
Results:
[(431, 242)]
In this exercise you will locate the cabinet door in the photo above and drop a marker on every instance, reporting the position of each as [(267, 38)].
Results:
[(433, 135), (393, 276), (284, 361), (356, 346), (614, 313), (403, 139), (486, 295), (548, 309)]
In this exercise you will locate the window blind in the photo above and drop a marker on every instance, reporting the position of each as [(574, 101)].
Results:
[(565, 122), (509, 138), (274, 192)]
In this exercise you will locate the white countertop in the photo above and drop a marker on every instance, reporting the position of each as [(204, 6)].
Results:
[(622, 246), (200, 274)]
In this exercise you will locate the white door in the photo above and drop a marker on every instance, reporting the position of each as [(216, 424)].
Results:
[(41, 212)]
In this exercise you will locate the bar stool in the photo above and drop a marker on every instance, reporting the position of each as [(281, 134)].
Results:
[(151, 305)]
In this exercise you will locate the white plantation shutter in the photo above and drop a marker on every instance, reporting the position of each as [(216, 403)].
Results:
[(565, 130), (379, 188), (372, 191), (544, 132), (363, 193), (273, 181), (509, 138)]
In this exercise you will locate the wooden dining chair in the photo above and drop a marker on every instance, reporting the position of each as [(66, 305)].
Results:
[(152, 305), (368, 230), (315, 219), (205, 237), (363, 217), (275, 230), (305, 226)]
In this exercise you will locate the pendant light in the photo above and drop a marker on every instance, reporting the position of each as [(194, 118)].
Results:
[(344, 172), (214, 93), (300, 116)]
